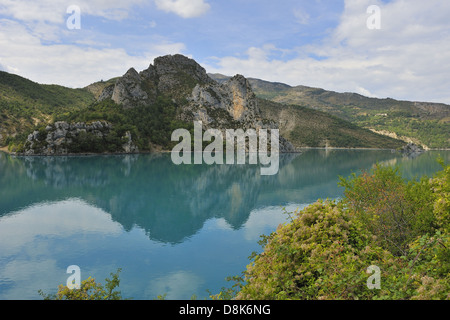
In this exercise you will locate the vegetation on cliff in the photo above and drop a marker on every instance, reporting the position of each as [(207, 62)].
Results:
[(150, 125), (306, 127), (25, 104)]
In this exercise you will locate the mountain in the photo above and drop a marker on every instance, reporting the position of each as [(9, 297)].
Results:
[(138, 112), (424, 123)]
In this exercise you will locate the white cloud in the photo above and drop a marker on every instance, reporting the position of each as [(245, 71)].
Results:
[(36, 43), (69, 65), (177, 285), (408, 58), (184, 8), (54, 11), (59, 219)]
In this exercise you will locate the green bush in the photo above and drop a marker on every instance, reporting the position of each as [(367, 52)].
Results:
[(325, 250), (322, 254), (89, 290), (392, 209)]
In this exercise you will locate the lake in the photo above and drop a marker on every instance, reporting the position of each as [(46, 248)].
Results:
[(174, 230)]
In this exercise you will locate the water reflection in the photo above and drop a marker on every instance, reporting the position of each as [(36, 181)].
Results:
[(38, 242), (173, 202)]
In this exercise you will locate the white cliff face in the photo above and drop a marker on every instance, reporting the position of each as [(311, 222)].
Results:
[(235, 96), (129, 146), (231, 104)]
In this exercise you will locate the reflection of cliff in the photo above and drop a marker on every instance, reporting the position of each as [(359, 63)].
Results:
[(172, 202)]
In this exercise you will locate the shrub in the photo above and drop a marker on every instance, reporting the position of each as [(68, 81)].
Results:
[(324, 251), (323, 254), (89, 290), (392, 209), (440, 186), (429, 257)]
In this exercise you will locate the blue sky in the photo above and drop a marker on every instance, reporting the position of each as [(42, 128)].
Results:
[(319, 43), (225, 28)]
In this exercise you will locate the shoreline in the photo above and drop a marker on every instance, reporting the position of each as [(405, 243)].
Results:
[(87, 154)]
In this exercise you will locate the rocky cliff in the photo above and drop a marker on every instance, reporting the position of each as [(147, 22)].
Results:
[(63, 138), (172, 75), (228, 105)]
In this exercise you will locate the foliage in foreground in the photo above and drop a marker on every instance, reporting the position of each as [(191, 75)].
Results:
[(384, 221), (89, 290)]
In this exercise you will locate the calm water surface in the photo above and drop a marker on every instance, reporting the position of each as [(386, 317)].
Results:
[(174, 230)]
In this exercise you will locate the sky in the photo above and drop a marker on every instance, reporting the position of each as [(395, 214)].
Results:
[(378, 48)]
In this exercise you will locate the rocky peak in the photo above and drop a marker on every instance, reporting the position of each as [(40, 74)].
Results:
[(171, 65), (132, 74), (171, 75), (128, 90)]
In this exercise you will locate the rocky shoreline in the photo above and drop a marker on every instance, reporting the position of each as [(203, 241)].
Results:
[(298, 150), (60, 137)]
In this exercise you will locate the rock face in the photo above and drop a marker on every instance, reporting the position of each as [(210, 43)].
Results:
[(128, 90), (172, 75), (231, 104), (412, 150), (235, 97), (63, 138)]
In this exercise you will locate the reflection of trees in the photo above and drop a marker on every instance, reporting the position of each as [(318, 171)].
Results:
[(172, 202)]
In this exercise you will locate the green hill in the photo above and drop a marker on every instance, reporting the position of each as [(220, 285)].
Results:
[(25, 104), (305, 127)]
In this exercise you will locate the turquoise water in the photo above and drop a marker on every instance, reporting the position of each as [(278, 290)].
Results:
[(174, 230)]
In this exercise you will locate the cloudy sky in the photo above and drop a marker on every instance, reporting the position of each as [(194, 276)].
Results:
[(401, 51)]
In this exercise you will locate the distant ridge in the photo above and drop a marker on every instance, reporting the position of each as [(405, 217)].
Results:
[(424, 123)]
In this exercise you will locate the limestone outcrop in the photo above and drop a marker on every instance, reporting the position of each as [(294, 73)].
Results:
[(63, 138)]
